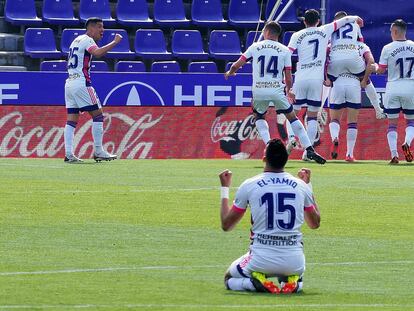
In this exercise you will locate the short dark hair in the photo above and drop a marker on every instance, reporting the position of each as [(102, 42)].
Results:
[(93, 20), (312, 17), (276, 154), (340, 14), (274, 28), (400, 24)]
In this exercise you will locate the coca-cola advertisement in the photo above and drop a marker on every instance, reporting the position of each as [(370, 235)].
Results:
[(167, 132)]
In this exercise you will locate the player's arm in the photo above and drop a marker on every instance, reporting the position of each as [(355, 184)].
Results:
[(229, 215), (312, 214), (370, 67), (346, 20), (99, 52), (381, 68), (235, 66)]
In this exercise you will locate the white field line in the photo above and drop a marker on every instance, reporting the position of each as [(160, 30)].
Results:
[(356, 306), (114, 269)]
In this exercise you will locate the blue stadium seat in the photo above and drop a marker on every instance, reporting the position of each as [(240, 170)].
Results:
[(68, 35), (130, 66), (247, 67), (150, 43), (99, 65), (59, 12), (21, 12), (133, 13), (122, 49), (170, 13), (244, 13), (171, 66), (40, 43), (188, 44), (96, 8), (207, 13), (203, 67), (251, 36), (53, 65), (224, 44), (290, 19)]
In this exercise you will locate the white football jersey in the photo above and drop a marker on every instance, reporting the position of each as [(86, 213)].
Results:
[(277, 202), (344, 41), (269, 60), (311, 45), (398, 58), (80, 58)]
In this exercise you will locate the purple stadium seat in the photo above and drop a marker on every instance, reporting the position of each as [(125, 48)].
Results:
[(96, 8), (203, 67), (244, 13), (150, 43), (68, 35), (53, 65), (187, 44), (247, 67), (224, 44), (171, 66), (290, 19), (122, 49), (170, 13), (130, 66), (207, 13), (21, 12), (59, 12), (40, 43), (133, 13), (99, 66), (252, 36)]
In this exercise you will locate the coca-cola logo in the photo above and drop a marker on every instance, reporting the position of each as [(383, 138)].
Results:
[(40, 141), (232, 130)]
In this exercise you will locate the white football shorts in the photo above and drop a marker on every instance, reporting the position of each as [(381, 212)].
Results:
[(80, 97)]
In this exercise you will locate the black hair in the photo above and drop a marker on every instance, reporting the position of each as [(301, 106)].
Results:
[(93, 20), (340, 14), (276, 154), (400, 24), (274, 28), (312, 17)]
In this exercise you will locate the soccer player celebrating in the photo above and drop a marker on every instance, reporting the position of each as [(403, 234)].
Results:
[(272, 65), (79, 94), (311, 44), (398, 58), (280, 203)]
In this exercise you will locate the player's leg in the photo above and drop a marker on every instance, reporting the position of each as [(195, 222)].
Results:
[(374, 99), (71, 122), (260, 107), (314, 102), (334, 128), (352, 131), (408, 110), (392, 107)]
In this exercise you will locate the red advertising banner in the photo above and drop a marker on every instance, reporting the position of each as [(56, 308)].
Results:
[(171, 132)]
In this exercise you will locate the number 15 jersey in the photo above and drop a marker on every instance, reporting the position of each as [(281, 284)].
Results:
[(277, 202)]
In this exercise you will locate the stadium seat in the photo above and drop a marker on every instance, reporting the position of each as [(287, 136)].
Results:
[(133, 13), (171, 66), (68, 35), (59, 12), (53, 65), (244, 13), (207, 13), (99, 65), (202, 67), (122, 49), (289, 19), (130, 66), (98, 8), (187, 44), (224, 44), (150, 43), (252, 36), (22, 12), (247, 67), (40, 43), (170, 13)]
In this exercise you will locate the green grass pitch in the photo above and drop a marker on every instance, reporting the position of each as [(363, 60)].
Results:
[(145, 235)]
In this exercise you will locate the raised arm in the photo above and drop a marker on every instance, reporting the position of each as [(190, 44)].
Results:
[(99, 52), (312, 214)]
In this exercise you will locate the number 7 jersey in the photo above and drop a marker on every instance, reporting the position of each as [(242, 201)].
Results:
[(278, 202)]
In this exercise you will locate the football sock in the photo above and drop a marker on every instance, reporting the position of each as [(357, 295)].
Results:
[(409, 132), (351, 135), (312, 129), (69, 135), (372, 95), (291, 134), (97, 132), (334, 128), (240, 284), (300, 132), (325, 93), (392, 140), (263, 129)]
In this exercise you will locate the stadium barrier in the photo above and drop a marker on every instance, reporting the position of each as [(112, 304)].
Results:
[(156, 116)]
